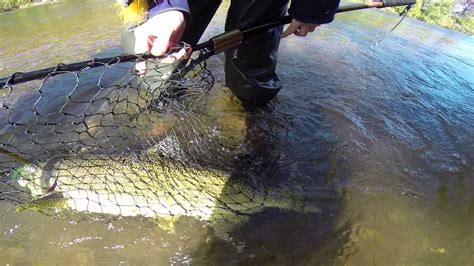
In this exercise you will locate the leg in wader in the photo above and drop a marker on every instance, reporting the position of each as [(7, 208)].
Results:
[(250, 68)]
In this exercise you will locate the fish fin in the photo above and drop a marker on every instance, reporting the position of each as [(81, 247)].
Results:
[(53, 200), (167, 223)]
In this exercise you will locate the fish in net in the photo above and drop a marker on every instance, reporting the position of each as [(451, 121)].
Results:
[(107, 142), (96, 138)]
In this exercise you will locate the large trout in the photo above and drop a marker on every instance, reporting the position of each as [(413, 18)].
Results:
[(149, 185)]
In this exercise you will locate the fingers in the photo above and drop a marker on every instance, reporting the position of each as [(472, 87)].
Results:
[(299, 28), (302, 31), (173, 57), (292, 28), (158, 35), (150, 43), (160, 46), (140, 67), (142, 44), (305, 29)]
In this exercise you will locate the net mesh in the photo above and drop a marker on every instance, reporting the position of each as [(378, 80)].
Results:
[(106, 141)]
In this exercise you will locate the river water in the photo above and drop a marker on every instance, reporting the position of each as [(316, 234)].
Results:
[(390, 127)]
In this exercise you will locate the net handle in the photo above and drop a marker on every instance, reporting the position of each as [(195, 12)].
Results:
[(215, 45)]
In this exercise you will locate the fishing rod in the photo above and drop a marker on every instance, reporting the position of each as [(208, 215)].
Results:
[(213, 46)]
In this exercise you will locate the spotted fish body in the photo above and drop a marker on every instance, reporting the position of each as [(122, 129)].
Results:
[(147, 185)]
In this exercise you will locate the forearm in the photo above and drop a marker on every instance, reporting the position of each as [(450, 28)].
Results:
[(312, 11), (168, 5)]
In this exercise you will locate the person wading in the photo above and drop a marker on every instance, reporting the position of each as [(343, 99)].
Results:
[(156, 26)]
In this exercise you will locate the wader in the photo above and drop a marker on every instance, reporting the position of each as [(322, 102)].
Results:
[(250, 68)]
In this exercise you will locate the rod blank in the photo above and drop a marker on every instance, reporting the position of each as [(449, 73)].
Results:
[(390, 3)]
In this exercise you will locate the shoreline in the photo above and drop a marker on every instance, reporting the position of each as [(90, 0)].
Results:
[(4, 7), (463, 24)]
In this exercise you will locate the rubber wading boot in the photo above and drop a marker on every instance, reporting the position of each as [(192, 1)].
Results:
[(250, 68)]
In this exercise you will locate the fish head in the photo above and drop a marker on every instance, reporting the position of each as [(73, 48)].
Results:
[(30, 177)]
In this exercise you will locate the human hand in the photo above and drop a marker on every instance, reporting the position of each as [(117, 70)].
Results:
[(158, 35), (299, 28)]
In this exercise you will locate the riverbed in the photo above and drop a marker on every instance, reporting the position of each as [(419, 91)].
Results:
[(388, 127)]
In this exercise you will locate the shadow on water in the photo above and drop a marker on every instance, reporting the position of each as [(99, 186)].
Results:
[(398, 117), (287, 144), (275, 235)]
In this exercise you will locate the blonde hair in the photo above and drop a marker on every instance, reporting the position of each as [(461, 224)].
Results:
[(135, 13)]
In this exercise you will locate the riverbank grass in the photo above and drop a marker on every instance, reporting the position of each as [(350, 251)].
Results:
[(440, 13), (8, 5)]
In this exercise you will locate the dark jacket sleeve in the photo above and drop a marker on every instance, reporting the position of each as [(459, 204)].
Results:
[(160, 6), (313, 11)]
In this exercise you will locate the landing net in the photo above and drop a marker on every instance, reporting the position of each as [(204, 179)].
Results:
[(104, 140)]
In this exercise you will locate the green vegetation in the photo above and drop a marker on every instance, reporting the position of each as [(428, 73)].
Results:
[(440, 13), (437, 12), (465, 24), (6, 5)]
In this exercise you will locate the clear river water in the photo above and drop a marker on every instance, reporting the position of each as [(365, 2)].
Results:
[(390, 127)]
